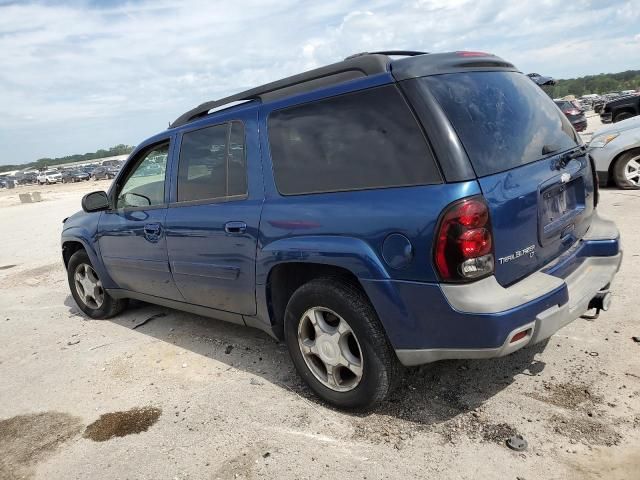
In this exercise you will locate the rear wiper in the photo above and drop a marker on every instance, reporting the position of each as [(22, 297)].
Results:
[(566, 157)]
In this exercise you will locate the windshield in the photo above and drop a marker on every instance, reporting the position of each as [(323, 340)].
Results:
[(503, 119)]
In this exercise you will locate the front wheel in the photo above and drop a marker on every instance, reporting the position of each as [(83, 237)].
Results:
[(338, 345), (626, 171), (87, 290)]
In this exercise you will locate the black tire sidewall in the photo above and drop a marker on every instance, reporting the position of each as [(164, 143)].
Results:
[(622, 116), (375, 372), (619, 177), (107, 306)]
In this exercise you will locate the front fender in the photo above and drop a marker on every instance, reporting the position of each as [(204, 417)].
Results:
[(350, 253), (90, 245)]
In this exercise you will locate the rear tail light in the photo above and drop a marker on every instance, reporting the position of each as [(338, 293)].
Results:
[(464, 242), (572, 111), (473, 54)]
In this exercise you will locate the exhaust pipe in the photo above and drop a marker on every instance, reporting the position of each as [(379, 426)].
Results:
[(601, 302)]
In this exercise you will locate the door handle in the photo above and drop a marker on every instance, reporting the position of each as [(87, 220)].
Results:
[(235, 227), (152, 231)]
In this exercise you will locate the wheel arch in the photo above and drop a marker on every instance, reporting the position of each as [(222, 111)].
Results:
[(285, 264), (74, 240), (616, 159)]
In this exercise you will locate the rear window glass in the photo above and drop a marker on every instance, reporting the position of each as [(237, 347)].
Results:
[(502, 118), (356, 141)]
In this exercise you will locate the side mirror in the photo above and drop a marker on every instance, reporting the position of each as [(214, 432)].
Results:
[(95, 202)]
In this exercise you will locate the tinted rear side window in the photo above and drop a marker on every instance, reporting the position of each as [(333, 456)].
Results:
[(362, 140), (502, 118), (212, 163)]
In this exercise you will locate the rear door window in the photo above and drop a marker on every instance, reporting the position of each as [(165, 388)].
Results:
[(212, 163), (503, 119), (369, 139)]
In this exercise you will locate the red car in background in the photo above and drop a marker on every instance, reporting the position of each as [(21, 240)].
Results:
[(575, 114)]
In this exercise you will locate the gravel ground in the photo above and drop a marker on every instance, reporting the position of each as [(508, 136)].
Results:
[(188, 397)]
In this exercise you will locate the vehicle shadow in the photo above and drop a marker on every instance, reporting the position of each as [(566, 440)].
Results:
[(427, 395)]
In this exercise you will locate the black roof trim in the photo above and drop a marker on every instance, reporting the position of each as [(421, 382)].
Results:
[(390, 53), (451, 62), (361, 65)]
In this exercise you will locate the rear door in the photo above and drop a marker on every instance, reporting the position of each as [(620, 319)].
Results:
[(212, 220), (532, 172)]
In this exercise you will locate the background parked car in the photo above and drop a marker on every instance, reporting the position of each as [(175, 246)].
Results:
[(621, 108), (72, 176), (616, 152), (574, 113), (49, 176), (102, 173)]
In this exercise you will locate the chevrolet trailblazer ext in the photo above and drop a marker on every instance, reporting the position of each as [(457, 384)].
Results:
[(372, 213)]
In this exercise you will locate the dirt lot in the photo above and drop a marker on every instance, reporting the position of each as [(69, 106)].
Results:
[(188, 397)]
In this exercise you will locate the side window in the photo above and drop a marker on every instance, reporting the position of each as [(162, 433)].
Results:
[(362, 140), (237, 180), (144, 185), (212, 163)]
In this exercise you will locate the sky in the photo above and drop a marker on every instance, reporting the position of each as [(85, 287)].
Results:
[(80, 75)]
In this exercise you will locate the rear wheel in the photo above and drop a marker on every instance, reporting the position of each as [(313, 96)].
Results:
[(622, 116), (338, 345), (626, 171), (87, 290)]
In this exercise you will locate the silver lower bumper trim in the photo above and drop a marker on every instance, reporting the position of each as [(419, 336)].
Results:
[(591, 277)]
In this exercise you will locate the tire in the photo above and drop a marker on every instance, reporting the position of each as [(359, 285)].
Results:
[(626, 170), (622, 116), (340, 301), (108, 306)]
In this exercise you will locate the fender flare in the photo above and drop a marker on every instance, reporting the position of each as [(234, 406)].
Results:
[(350, 253), (82, 236)]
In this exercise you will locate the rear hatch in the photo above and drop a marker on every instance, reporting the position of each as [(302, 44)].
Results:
[(530, 163)]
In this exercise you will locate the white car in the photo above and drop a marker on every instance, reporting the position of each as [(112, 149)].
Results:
[(616, 152), (49, 176)]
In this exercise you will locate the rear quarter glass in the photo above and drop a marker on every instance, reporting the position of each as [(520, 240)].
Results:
[(503, 119)]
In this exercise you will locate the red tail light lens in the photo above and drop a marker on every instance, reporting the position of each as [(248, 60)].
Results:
[(572, 111), (464, 243), (473, 54), (475, 243)]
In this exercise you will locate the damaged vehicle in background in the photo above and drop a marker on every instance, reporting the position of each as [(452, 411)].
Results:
[(616, 152)]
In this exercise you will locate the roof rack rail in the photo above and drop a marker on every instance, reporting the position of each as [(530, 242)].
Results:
[(357, 66), (390, 53)]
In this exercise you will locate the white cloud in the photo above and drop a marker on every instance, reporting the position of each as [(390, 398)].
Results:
[(87, 66)]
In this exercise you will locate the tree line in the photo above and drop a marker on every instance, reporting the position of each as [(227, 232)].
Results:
[(42, 163), (602, 83)]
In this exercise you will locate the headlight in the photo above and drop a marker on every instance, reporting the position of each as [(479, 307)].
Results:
[(602, 141)]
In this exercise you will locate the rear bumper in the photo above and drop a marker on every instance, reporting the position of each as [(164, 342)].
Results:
[(426, 323)]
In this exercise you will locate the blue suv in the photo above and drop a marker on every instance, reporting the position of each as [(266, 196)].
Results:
[(375, 213)]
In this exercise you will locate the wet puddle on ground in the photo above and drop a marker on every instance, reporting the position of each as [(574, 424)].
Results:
[(25, 440), (120, 424)]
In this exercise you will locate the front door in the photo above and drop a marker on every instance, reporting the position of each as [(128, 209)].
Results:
[(212, 221), (132, 235)]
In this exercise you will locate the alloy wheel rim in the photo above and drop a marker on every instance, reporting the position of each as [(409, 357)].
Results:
[(88, 286), (632, 171), (330, 349)]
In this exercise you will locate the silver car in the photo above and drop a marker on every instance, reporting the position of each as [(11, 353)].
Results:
[(616, 151)]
